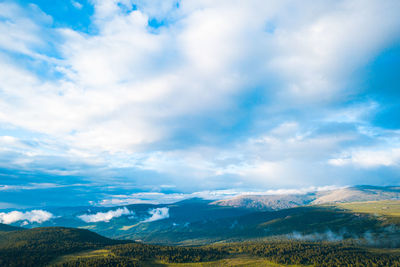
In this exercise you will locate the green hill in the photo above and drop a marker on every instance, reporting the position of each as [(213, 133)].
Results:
[(38, 246), (69, 247)]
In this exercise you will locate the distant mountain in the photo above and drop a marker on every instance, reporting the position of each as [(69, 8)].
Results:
[(199, 221), (342, 195)]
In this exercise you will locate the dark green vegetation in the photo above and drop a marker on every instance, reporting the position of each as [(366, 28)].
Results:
[(332, 223), (319, 215), (39, 246), (198, 222), (336, 234), (7, 228), (74, 247), (34, 247)]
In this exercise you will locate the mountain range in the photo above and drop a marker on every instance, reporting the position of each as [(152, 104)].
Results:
[(345, 213)]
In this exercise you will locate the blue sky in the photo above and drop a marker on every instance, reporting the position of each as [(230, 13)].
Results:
[(109, 102)]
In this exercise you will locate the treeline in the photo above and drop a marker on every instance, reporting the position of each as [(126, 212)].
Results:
[(169, 253), (37, 247), (132, 255), (100, 262), (281, 252), (315, 253)]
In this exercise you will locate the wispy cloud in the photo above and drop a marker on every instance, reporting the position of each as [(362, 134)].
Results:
[(369, 158), (158, 214), (31, 186)]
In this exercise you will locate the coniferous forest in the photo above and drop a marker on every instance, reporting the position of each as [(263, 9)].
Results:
[(69, 247)]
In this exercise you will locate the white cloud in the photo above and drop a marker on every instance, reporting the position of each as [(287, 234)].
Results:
[(163, 198), (33, 216), (76, 4), (158, 214), (21, 33), (31, 186), (369, 158), (120, 94), (127, 69), (105, 216)]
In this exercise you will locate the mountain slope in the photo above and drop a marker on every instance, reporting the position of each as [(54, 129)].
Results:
[(35, 247), (68, 247), (310, 222)]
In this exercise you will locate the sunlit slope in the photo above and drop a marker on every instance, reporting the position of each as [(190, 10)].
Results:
[(385, 207), (35, 247)]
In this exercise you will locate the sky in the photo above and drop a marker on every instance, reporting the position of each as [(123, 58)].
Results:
[(108, 102)]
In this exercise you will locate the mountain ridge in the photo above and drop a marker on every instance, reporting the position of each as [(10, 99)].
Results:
[(341, 195)]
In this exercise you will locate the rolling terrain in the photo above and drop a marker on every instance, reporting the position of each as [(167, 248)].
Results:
[(332, 223), (334, 234), (65, 247), (320, 215)]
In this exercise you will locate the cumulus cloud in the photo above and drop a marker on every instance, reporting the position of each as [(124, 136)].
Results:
[(369, 158), (227, 93), (105, 216), (33, 216), (158, 214)]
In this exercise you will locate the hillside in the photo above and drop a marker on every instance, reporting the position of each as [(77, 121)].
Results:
[(270, 253), (34, 247), (305, 223), (73, 247), (67, 247)]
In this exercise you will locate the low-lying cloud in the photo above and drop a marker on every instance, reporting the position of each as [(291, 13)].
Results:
[(164, 198), (105, 216), (158, 214), (33, 216), (328, 235)]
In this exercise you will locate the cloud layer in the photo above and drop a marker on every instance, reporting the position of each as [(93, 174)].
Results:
[(199, 95)]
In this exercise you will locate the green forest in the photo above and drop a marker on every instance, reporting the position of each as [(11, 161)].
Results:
[(67, 247)]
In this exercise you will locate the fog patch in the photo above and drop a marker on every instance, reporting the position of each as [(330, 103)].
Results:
[(388, 238), (325, 236)]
